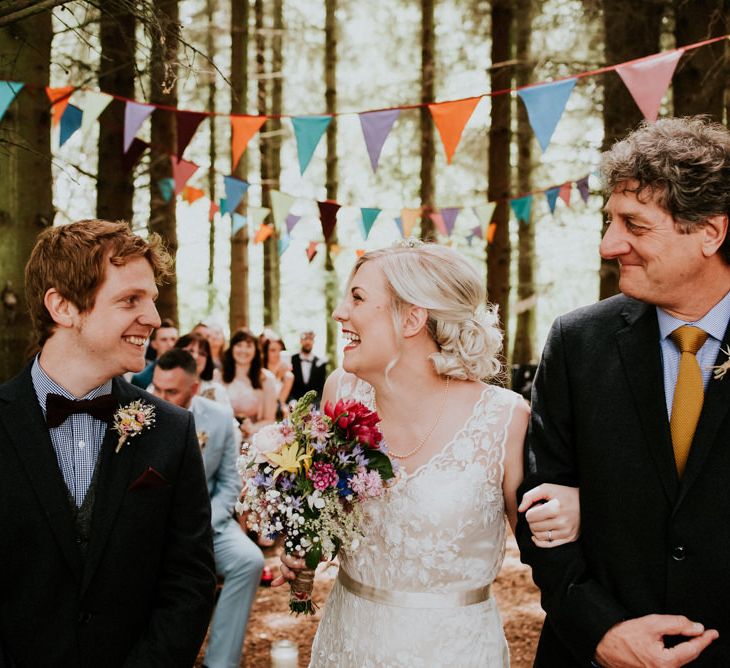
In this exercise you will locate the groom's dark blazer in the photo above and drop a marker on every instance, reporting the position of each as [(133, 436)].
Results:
[(143, 592), (649, 542)]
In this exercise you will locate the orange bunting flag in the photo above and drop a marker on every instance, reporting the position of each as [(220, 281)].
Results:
[(450, 119), (59, 98), (360, 252), (408, 218), (491, 231), (263, 233), (214, 208), (243, 128), (191, 194), (311, 250)]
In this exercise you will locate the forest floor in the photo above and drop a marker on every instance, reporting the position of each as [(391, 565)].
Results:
[(517, 596)]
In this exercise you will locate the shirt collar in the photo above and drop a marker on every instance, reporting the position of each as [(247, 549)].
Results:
[(714, 322), (45, 385)]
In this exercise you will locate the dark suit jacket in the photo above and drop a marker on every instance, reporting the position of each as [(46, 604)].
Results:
[(317, 377), (649, 543), (144, 592)]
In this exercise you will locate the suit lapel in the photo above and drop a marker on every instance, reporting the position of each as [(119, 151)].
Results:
[(23, 421), (640, 352), (113, 480), (714, 411)]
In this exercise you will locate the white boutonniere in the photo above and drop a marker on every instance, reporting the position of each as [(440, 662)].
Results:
[(719, 371), (132, 419), (202, 439)]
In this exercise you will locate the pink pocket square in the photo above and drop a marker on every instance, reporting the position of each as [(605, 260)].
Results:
[(150, 479)]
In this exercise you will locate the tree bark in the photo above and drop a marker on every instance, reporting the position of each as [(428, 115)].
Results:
[(524, 350), (500, 137), (212, 151), (26, 195), (163, 90), (641, 20), (238, 303), (115, 183), (428, 149)]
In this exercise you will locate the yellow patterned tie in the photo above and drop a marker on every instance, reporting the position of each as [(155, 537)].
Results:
[(688, 394)]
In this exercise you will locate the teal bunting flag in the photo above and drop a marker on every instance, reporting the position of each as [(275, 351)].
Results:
[(551, 194), (522, 206), (8, 91), (399, 223), (70, 122), (238, 222), (368, 219), (308, 130), (166, 186), (283, 244)]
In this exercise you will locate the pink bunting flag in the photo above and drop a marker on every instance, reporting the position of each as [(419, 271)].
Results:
[(187, 124), (311, 250), (438, 223), (565, 191), (648, 79), (182, 170), (134, 115)]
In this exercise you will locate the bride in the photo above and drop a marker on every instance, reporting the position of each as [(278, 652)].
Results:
[(416, 592)]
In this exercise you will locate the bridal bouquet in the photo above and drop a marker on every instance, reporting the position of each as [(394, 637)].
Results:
[(306, 477)]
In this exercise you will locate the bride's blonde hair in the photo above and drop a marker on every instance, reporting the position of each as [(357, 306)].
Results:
[(464, 327)]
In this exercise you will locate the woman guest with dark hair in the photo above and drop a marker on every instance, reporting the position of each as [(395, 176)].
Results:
[(251, 388), (198, 346), (277, 361)]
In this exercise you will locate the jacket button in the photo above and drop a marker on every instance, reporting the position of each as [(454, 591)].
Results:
[(678, 553)]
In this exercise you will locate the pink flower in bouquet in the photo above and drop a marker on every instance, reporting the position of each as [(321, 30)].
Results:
[(268, 440), (367, 483), (323, 475), (358, 421)]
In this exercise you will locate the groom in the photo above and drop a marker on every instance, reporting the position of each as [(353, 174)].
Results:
[(625, 406), (105, 542)]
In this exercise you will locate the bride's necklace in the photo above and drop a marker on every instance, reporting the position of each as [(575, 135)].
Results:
[(422, 442)]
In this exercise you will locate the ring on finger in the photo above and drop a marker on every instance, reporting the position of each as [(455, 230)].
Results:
[(550, 536)]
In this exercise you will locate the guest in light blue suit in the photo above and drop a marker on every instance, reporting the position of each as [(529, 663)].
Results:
[(238, 560)]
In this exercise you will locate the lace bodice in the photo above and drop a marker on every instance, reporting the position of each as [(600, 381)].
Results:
[(440, 529)]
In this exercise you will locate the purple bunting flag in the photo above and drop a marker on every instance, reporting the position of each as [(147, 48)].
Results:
[(583, 189), (376, 126)]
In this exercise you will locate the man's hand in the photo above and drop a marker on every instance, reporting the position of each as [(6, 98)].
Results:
[(639, 643)]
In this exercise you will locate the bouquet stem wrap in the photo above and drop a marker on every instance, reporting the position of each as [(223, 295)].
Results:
[(300, 595)]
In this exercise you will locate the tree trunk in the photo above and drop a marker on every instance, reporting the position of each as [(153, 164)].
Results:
[(641, 20), (212, 151), (330, 78), (238, 302), (524, 350), (698, 80), (26, 195), (428, 150), (115, 183), (163, 90), (500, 137)]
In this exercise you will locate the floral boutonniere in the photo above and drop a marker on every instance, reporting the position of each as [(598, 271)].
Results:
[(132, 419), (719, 371), (202, 439)]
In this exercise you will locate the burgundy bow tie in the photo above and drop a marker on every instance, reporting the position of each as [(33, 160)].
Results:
[(58, 408)]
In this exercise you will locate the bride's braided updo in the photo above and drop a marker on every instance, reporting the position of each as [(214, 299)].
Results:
[(463, 325)]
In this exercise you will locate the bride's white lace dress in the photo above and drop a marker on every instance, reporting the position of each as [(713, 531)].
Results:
[(435, 539)]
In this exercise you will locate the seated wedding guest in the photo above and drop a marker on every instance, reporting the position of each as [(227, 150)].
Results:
[(237, 559), (162, 340), (198, 346), (280, 366), (250, 387), (217, 341)]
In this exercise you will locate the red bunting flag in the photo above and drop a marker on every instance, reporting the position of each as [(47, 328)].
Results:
[(450, 119), (214, 208), (242, 129), (187, 124), (59, 98), (311, 250)]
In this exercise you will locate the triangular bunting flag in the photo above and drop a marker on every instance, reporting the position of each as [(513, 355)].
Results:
[(284, 244), (8, 91), (648, 80), (491, 231), (545, 105), (311, 250), (368, 220), (182, 170), (187, 124), (449, 215), (134, 115), (328, 217), (376, 125), (191, 194), (565, 191), (408, 218), (450, 119), (308, 130), (583, 189), (291, 221), (522, 206), (551, 194), (257, 215), (214, 208), (235, 190), (70, 122), (477, 232), (484, 213), (167, 188), (94, 103), (399, 224), (238, 222), (263, 233), (359, 252), (438, 222), (134, 153), (59, 98), (280, 205), (242, 129)]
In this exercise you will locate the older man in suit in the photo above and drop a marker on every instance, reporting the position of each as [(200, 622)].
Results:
[(626, 407), (105, 540), (309, 371), (238, 560)]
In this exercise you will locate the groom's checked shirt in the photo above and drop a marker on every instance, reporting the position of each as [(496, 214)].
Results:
[(77, 441)]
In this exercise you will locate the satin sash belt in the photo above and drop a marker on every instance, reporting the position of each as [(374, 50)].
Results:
[(414, 599)]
